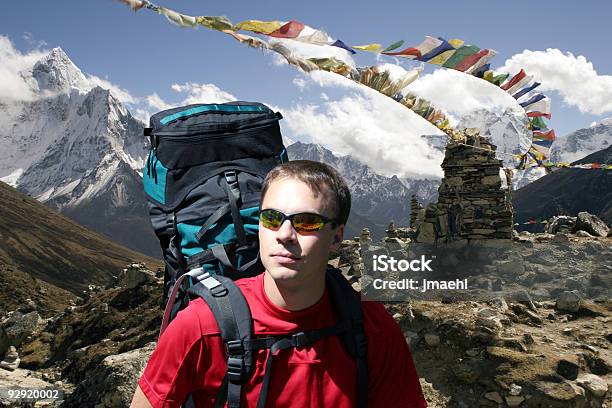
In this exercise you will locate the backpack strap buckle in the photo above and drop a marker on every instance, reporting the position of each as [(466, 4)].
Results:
[(230, 176), (235, 361), (235, 366), (234, 347), (300, 339)]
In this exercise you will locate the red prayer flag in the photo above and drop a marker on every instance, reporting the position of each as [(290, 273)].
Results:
[(538, 114), (407, 51), (515, 79), (470, 60), (290, 30), (550, 135)]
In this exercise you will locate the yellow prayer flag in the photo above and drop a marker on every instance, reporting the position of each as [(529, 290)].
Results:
[(256, 26), (441, 59), (368, 47), (215, 23), (455, 42)]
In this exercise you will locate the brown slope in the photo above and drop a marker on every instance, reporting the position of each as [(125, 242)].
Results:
[(52, 248), (16, 286)]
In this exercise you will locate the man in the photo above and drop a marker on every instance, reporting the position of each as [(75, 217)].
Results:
[(289, 296)]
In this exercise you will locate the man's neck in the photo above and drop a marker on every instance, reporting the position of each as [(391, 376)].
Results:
[(292, 296)]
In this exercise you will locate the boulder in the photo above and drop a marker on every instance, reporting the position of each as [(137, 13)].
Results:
[(426, 233), (591, 224), (17, 327), (568, 302), (568, 368), (133, 277), (512, 268), (560, 222), (593, 383), (113, 382), (514, 400)]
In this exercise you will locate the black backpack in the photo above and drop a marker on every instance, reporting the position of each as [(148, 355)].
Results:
[(203, 180)]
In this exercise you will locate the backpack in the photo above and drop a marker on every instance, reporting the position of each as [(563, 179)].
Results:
[(202, 180)]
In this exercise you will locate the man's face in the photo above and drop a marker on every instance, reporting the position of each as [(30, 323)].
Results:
[(286, 254)]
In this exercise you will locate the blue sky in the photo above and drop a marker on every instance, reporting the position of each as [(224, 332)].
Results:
[(144, 54)]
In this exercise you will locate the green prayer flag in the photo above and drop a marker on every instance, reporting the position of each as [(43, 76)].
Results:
[(460, 54), (393, 46)]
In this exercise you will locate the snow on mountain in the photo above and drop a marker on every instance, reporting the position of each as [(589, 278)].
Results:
[(507, 130), (72, 129), (376, 199), (571, 148), (73, 145), (582, 142)]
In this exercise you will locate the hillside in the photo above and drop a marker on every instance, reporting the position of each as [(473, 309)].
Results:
[(46, 245)]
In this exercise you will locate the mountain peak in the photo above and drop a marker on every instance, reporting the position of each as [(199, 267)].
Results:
[(606, 122), (57, 73)]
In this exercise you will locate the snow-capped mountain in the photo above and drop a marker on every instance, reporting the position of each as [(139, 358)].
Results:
[(73, 146), (582, 142), (376, 199), (507, 130)]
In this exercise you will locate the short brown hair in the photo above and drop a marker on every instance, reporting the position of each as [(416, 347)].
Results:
[(321, 178)]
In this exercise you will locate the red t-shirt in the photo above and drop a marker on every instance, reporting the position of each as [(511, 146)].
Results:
[(190, 359)]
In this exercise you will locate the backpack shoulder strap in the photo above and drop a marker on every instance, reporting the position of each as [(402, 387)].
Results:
[(347, 304), (233, 317)]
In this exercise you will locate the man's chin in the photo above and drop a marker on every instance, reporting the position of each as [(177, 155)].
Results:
[(280, 272)]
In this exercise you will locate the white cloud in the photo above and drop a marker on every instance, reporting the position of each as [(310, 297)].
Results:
[(299, 82), (29, 38), (458, 94), (202, 93), (123, 95), (370, 127), (14, 85), (156, 102), (573, 77), (195, 93), (18, 84)]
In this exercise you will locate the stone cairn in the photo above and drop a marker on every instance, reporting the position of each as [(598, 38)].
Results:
[(365, 240), (415, 207), (471, 202), (11, 359)]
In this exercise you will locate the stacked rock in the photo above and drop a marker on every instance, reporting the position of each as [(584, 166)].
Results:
[(11, 359), (415, 207), (471, 190), (391, 232), (365, 239), (471, 203)]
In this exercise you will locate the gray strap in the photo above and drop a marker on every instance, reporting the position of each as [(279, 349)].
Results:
[(216, 216), (233, 194), (220, 253)]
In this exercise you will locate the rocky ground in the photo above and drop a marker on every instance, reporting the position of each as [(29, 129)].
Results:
[(535, 332)]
